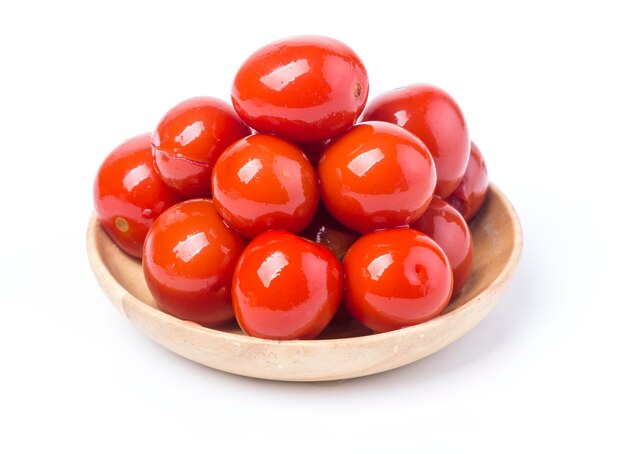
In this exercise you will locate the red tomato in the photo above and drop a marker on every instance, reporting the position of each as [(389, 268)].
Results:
[(190, 138), (342, 316), (446, 226), (305, 89), (325, 230), (314, 150), (188, 262), (262, 183), (376, 176), (396, 278), (470, 194), (286, 287), (129, 195), (433, 116)]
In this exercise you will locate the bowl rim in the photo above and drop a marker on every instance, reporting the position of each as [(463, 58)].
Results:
[(122, 297)]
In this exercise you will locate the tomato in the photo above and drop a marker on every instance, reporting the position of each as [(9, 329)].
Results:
[(286, 287), (448, 229), (189, 260), (342, 316), (325, 230), (314, 150), (396, 278), (305, 89), (470, 194), (129, 195), (263, 182), (433, 116), (376, 176), (190, 138)]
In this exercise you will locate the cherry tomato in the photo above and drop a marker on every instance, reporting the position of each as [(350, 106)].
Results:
[(188, 262), (433, 116), (342, 316), (448, 229), (286, 287), (129, 195), (376, 176), (305, 89), (263, 182), (325, 230), (396, 278), (314, 150), (190, 138), (471, 192)]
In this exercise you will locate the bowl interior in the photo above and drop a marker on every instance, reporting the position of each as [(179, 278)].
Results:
[(494, 232)]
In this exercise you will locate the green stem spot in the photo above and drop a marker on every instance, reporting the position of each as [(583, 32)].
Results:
[(121, 224)]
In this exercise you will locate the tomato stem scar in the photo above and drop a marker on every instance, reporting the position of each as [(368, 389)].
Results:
[(121, 224)]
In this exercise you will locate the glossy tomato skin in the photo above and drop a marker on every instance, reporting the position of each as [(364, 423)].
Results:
[(314, 150), (432, 115), (396, 278), (471, 192), (376, 176), (263, 182), (189, 260), (327, 231), (129, 195), (305, 89), (286, 287), (190, 138), (448, 229)]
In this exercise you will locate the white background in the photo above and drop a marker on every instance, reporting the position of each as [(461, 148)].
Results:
[(542, 87)]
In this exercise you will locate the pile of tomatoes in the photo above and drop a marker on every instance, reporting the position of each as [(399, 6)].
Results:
[(299, 204)]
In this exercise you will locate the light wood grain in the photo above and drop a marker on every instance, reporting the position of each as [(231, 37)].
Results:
[(345, 351)]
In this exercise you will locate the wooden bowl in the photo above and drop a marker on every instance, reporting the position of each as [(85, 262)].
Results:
[(346, 351)]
